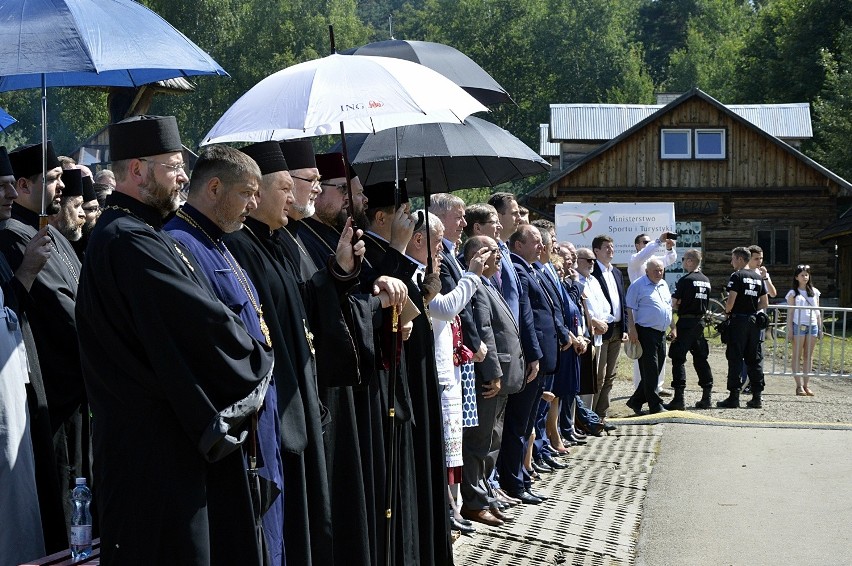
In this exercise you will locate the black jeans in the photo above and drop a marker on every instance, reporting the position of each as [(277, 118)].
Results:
[(690, 339), (650, 365), (745, 344)]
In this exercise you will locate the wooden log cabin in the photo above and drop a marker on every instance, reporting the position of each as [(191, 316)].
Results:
[(734, 173)]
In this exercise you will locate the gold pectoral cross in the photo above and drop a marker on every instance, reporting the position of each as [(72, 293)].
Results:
[(264, 329), (309, 336)]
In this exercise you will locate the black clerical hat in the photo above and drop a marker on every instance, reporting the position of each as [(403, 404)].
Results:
[(331, 165), (89, 193), (268, 156), (5, 164), (299, 154), (73, 181), (142, 136), (26, 160), (380, 195)]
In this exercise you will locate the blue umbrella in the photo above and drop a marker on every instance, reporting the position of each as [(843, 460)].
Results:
[(92, 43), (5, 119)]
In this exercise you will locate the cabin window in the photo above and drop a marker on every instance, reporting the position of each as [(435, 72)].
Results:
[(709, 144), (676, 144), (776, 245)]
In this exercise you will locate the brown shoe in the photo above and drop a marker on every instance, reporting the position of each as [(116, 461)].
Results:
[(502, 515), (483, 516)]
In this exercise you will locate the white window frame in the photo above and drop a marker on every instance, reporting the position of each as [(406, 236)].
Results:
[(721, 132), (664, 155)]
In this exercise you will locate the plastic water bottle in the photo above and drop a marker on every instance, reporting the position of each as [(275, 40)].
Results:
[(81, 521)]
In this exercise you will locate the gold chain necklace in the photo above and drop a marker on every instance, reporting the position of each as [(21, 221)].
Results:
[(235, 269), (66, 260)]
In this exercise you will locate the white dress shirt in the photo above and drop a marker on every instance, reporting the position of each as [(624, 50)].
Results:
[(636, 263)]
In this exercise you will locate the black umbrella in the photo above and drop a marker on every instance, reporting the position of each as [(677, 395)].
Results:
[(452, 156), (447, 60)]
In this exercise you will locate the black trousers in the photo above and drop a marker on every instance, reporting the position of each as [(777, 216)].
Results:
[(690, 340), (745, 344), (650, 365), (517, 425)]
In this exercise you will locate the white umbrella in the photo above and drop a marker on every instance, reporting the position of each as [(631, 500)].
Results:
[(336, 93)]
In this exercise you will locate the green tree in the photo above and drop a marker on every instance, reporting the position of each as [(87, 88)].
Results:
[(541, 52), (833, 109), (712, 47)]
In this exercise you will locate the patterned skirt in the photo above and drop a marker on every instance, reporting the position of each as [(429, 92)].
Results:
[(451, 409), (470, 417)]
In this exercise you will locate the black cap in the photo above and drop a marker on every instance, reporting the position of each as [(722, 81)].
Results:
[(5, 164), (380, 195), (26, 160), (73, 181), (142, 136), (89, 193), (268, 156), (299, 154)]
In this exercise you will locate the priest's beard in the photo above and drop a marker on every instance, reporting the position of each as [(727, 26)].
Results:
[(305, 211), (69, 225), (159, 196), (334, 217), (53, 207)]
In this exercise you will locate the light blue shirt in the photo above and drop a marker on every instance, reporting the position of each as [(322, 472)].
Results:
[(651, 303)]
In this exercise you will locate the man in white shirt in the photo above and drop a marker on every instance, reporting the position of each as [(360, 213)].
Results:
[(599, 310)]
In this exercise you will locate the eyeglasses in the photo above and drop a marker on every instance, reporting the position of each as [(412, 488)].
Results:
[(313, 182), (338, 186), (590, 260), (646, 242), (803, 267), (175, 168), (95, 208)]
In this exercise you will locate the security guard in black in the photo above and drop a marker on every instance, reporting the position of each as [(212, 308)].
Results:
[(746, 295), (691, 299)]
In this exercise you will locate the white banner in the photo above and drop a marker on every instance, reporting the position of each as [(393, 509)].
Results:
[(580, 222)]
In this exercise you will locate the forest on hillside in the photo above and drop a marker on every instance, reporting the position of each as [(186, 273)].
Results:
[(541, 51)]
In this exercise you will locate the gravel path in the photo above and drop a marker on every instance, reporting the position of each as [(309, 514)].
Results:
[(831, 405)]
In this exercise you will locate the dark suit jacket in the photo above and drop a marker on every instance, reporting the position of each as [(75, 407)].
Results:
[(498, 330), (553, 289), (450, 276), (544, 317), (619, 283)]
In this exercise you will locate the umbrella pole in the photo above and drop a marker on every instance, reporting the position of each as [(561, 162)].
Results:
[(390, 451), (42, 220), (426, 197), (351, 211)]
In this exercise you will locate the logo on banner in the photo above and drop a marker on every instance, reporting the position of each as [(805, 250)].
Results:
[(581, 222)]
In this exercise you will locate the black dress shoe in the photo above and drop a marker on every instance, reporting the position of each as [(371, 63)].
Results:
[(461, 527), (547, 459), (609, 427), (540, 467), (577, 435), (525, 497), (537, 495), (635, 407), (657, 410)]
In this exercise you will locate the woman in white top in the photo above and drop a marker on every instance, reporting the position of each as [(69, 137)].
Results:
[(804, 326)]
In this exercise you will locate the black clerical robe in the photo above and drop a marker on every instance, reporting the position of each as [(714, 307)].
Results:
[(50, 309), (287, 304), (51, 492), (372, 407), (173, 378)]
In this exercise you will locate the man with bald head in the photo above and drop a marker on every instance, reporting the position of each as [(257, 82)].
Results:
[(648, 309)]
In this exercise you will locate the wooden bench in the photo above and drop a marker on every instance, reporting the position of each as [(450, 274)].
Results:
[(63, 558)]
